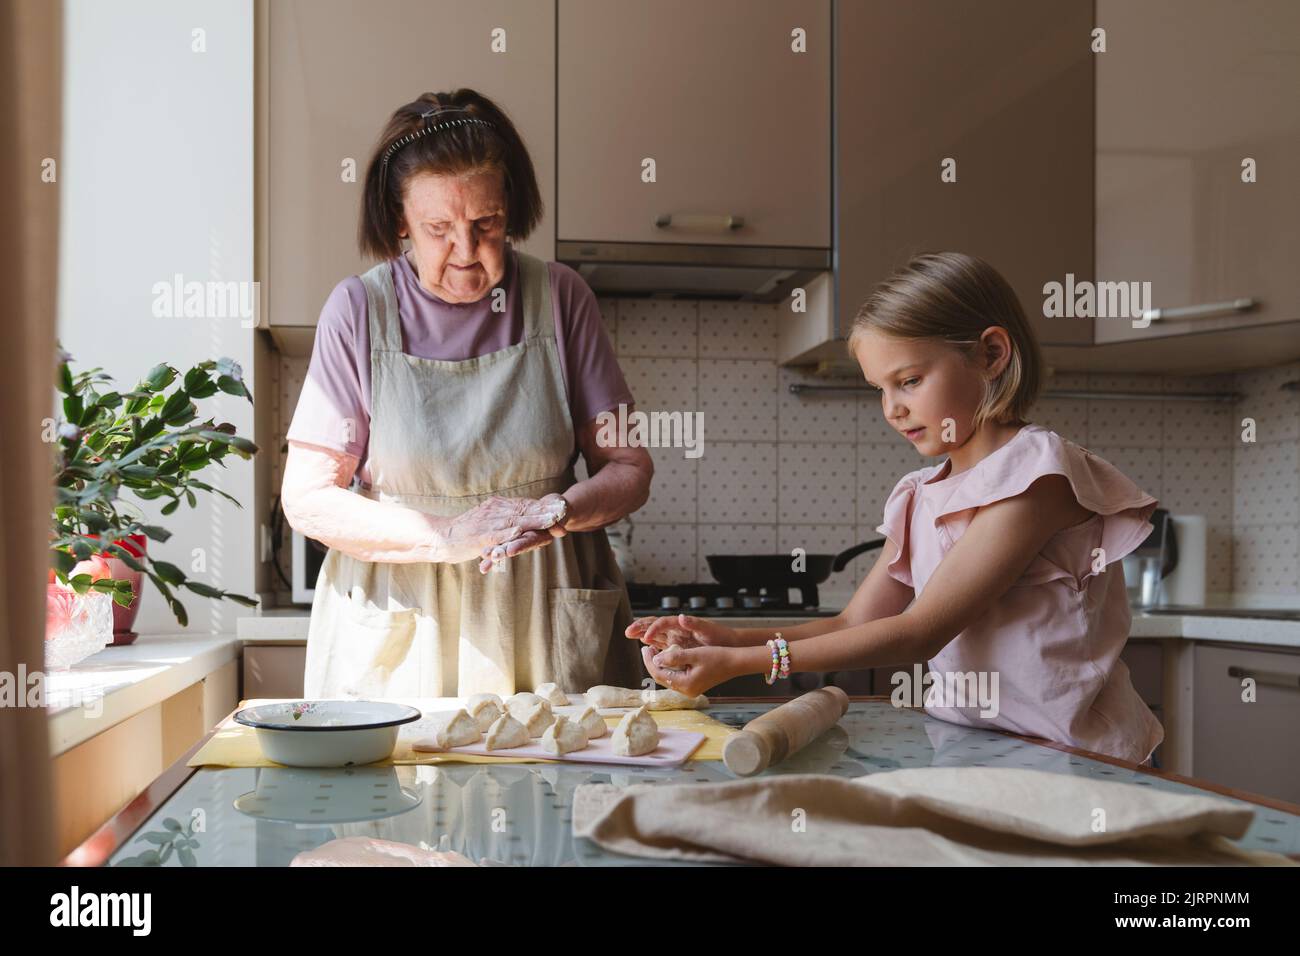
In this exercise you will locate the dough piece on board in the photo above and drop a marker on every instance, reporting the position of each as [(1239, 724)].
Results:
[(485, 709), (664, 699), (564, 736), (552, 695), (458, 731), (521, 699), (536, 715), (636, 734), (506, 733), (602, 695), (593, 723)]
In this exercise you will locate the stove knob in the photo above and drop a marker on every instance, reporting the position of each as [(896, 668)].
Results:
[(670, 603), (698, 602), (750, 600), (725, 603)]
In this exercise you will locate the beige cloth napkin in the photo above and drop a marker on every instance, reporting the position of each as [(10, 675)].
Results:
[(919, 817)]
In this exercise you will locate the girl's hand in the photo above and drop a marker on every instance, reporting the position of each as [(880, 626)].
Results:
[(690, 670), (682, 630)]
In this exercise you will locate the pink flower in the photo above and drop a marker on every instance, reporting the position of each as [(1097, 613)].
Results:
[(60, 603), (96, 566)]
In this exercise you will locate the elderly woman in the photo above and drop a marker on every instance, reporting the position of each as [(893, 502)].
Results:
[(457, 382)]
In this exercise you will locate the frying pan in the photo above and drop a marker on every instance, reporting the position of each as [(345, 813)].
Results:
[(775, 570)]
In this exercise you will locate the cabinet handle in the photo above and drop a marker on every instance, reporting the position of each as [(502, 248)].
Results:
[(1271, 678), (698, 222), (1203, 311)]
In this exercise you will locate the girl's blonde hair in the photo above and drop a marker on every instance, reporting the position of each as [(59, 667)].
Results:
[(954, 297)]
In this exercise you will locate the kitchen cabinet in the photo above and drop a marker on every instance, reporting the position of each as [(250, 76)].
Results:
[(274, 670), (329, 75), (1254, 745), (735, 120), (1188, 90), (1003, 89)]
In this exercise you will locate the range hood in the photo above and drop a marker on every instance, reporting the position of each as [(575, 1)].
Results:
[(662, 270)]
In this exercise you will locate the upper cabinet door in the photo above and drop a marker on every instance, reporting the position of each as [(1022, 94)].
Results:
[(1002, 93), (725, 103), (331, 73), (1187, 91)]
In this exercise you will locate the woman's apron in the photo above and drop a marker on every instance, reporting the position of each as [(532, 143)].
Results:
[(445, 436)]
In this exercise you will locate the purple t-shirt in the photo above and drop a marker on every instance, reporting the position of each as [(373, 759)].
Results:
[(337, 387)]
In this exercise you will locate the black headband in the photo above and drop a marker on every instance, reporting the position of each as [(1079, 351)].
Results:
[(429, 127)]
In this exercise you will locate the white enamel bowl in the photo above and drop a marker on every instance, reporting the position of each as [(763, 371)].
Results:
[(327, 733)]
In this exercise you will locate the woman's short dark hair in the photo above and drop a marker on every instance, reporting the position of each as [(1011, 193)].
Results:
[(454, 150)]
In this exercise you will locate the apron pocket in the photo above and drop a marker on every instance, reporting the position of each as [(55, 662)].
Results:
[(369, 645), (582, 622)]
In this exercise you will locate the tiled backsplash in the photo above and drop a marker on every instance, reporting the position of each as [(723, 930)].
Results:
[(781, 471)]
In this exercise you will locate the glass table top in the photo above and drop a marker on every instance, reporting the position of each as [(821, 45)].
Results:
[(521, 814)]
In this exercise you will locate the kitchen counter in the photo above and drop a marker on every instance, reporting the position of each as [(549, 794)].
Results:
[(119, 682), (451, 806)]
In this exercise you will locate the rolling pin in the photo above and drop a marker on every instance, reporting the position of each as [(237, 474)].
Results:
[(784, 730)]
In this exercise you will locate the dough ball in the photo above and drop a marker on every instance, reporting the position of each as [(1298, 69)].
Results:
[(552, 695), (485, 709), (593, 723), (636, 734), (506, 733), (458, 731), (564, 736)]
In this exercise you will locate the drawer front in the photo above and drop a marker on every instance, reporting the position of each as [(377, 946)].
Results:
[(1253, 746)]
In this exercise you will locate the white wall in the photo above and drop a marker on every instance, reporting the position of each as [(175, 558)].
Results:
[(157, 179)]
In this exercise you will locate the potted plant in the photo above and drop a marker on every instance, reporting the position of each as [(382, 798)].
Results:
[(144, 441)]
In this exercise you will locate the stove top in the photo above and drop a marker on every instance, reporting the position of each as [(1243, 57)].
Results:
[(716, 600)]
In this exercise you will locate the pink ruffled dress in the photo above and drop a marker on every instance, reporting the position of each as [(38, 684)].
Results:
[(1054, 638)]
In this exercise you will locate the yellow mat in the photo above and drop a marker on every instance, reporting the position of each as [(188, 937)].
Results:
[(234, 745)]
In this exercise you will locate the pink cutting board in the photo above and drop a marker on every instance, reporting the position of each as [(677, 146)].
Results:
[(674, 747)]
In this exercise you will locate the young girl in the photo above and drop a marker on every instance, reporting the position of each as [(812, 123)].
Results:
[(1002, 563)]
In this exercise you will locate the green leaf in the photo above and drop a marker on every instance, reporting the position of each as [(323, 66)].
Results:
[(156, 532), (186, 857), (156, 837), (159, 377), (171, 505), (178, 610), (189, 496), (169, 572), (126, 557), (207, 590), (65, 379), (94, 522), (203, 390), (81, 549), (241, 599), (171, 823), (109, 400), (196, 462), (166, 852), (233, 386), (72, 409), (123, 598)]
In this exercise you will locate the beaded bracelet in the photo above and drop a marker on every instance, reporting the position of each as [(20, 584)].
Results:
[(784, 648), (780, 658)]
